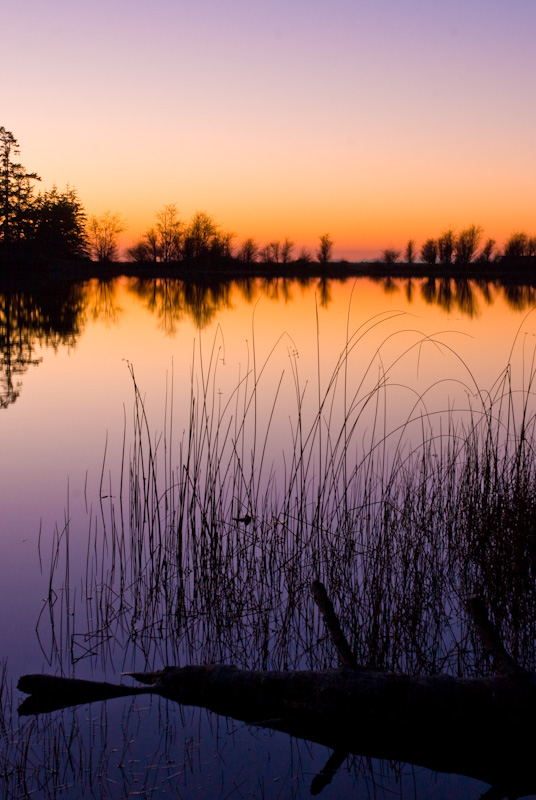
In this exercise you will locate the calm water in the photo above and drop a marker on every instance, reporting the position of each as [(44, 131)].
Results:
[(67, 399)]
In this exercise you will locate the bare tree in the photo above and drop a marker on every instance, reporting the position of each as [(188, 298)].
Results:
[(275, 249), (446, 245), (265, 255), (487, 250), (248, 251), (305, 256), (169, 232), (325, 248), (286, 250), (222, 244), (516, 246), (199, 235), (467, 244), (103, 234), (410, 253), (145, 249), (429, 251), (390, 255)]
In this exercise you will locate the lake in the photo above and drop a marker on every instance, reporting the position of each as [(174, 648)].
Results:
[(181, 461)]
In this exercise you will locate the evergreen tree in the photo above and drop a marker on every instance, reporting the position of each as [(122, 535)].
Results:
[(16, 196)]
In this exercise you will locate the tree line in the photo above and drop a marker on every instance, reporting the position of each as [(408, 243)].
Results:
[(462, 248), (53, 224), (49, 224), (172, 239)]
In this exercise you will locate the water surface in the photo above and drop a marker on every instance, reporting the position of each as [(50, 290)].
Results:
[(66, 427)]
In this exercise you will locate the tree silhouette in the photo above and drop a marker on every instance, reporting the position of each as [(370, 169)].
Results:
[(429, 251), (445, 246), (410, 253), (325, 248), (145, 249), (248, 251), (275, 251), (15, 194), (487, 250), (305, 256), (286, 250), (466, 244), (103, 234), (60, 225), (390, 255), (266, 255), (203, 238), (519, 245), (169, 231)]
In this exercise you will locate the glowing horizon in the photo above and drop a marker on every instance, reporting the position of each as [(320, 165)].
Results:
[(372, 120)]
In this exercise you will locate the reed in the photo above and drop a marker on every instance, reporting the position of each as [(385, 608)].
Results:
[(208, 541), (207, 538)]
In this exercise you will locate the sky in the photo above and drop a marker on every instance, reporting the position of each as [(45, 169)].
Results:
[(374, 120)]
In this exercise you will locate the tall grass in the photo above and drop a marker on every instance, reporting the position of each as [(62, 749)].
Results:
[(209, 538), (206, 536)]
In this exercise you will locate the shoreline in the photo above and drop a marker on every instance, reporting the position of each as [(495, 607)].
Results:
[(16, 274)]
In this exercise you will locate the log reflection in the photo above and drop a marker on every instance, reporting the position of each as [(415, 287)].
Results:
[(479, 728)]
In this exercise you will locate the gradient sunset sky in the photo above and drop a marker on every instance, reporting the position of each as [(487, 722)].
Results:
[(375, 120)]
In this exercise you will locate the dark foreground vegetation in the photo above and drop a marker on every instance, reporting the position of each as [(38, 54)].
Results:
[(469, 726), (206, 541)]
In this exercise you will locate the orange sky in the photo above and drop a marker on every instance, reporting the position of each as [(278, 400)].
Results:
[(374, 120)]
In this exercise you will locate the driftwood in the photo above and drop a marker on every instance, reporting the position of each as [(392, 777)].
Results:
[(473, 727)]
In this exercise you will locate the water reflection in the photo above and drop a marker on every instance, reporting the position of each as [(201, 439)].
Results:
[(452, 295), (173, 301), (206, 555), (519, 297), (102, 301), (30, 320), (55, 315)]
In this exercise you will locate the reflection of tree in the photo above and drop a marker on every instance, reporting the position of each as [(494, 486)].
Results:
[(445, 297), (466, 298), (463, 295), (519, 297), (428, 291), (162, 297), (204, 301), (29, 320), (450, 295), (102, 300), (410, 289), (247, 288), (485, 290), (16, 345), (324, 292), (173, 300), (389, 285), (277, 289)]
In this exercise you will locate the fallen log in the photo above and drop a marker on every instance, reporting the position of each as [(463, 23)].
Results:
[(475, 727)]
